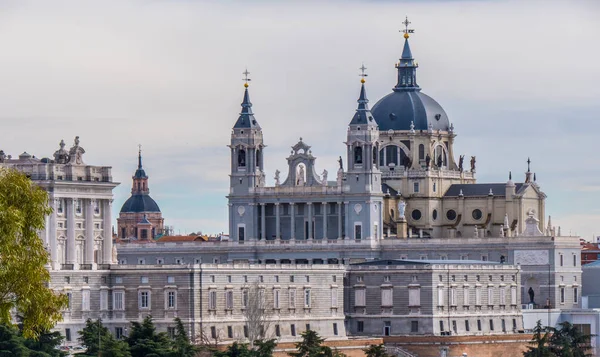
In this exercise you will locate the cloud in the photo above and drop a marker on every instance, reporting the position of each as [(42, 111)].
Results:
[(518, 79)]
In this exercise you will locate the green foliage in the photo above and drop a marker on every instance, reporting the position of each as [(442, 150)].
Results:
[(95, 333), (145, 342), (12, 343), (236, 349), (310, 346), (565, 341), (264, 348), (181, 345), (375, 351), (568, 341), (23, 275)]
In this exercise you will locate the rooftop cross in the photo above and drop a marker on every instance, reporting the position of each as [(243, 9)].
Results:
[(528, 165), (406, 29), (246, 79), (362, 73)]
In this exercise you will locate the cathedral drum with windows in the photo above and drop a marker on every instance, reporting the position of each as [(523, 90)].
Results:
[(422, 178)]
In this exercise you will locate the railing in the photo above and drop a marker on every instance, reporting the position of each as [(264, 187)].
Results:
[(67, 266), (399, 351), (85, 266), (427, 173)]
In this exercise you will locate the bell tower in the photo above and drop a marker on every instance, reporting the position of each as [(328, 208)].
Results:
[(246, 149), (363, 175)]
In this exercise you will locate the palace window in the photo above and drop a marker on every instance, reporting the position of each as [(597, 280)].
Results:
[(144, 299), (292, 298), (360, 297), (307, 302), (229, 300), (118, 300), (171, 300), (212, 300)]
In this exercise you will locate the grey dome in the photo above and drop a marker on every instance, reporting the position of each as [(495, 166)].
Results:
[(398, 109), (140, 203)]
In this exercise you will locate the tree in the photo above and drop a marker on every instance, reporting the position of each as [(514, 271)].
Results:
[(236, 349), (310, 346), (568, 341), (96, 337), (540, 342), (145, 342), (12, 343), (181, 346), (256, 313), (264, 348), (23, 275), (375, 351), (46, 344)]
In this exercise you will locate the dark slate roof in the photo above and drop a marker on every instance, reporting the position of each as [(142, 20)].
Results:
[(398, 109), (363, 114), (385, 188), (246, 118), (480, 189), (140, 203)]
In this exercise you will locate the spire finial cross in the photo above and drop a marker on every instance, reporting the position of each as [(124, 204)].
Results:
[(362, 73), (246, 79), (528, 165), (139, 148), (406, 29)]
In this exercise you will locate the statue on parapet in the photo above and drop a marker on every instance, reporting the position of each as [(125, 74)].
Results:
[(277, 172), (461, 159), (427, 161), (341, 162), (472, 163)]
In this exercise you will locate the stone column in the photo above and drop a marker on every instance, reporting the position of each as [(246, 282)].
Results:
[(349, 232), (277, 228), (52, 236), (89, 232), (263, 229), (310, 218), (292, 220), (339, 206), (70, 207), (108, 243), (324, 220), (232, 234)]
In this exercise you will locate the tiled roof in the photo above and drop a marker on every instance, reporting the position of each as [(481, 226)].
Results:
[(182, 239)]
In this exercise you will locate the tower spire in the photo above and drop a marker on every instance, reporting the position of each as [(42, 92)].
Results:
[(246, 118), (363, 113), (407, 67), (139, 156)]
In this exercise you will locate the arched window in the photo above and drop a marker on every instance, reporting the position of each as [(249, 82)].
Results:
[(440, 156), (241, 157), (358, 155), (421, 152), (391, 155), (258, 158)]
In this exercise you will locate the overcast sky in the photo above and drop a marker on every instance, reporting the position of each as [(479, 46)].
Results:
[(517, 78)]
